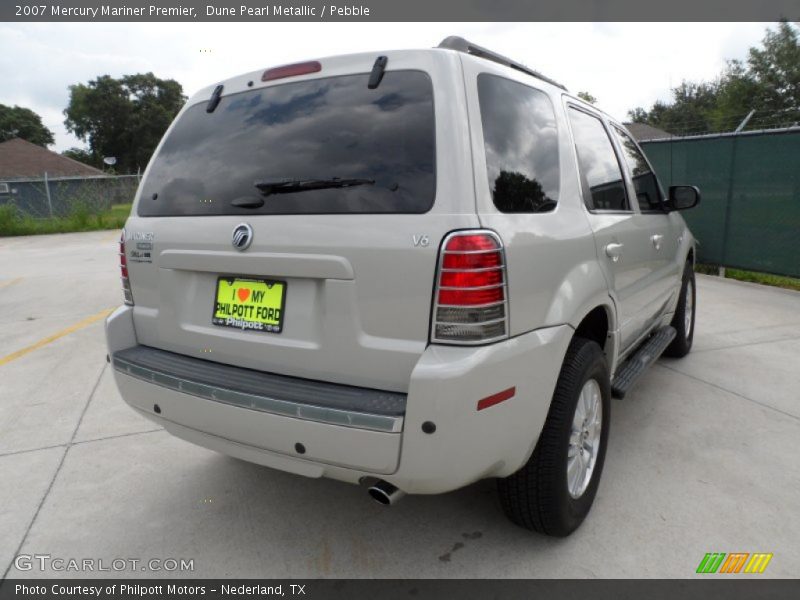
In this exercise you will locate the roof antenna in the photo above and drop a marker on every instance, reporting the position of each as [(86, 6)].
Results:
[(215, 98), (377, 72)]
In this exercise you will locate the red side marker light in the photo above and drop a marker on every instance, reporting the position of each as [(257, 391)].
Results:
[(497, 398), (303, 68)]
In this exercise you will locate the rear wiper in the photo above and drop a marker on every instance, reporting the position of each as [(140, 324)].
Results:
[(301, 185)]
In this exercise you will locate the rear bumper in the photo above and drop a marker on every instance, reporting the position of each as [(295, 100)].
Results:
[(330, 403), (349, 439)]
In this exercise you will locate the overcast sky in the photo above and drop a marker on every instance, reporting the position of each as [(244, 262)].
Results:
[(624, 65)]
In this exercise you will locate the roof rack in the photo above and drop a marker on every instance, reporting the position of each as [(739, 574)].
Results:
[(459, 44)]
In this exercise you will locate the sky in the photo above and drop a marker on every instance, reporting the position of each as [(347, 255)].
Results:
[(624, 65)]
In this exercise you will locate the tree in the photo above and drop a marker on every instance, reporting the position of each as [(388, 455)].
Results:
[(768, 81), (520, 194), (17, 121), (771, 80), (587, 97), (689, 111), (82, 155), (124, 117)]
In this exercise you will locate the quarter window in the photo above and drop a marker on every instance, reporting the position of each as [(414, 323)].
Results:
[(521, 143), (600, 170)]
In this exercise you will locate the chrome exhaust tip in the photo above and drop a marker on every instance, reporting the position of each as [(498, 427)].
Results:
[(385, 493)]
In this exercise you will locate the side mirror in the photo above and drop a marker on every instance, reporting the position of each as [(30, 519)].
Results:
[(682, 197)]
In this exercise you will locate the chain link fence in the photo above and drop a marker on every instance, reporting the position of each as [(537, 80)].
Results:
[(749, 217), (53, 197)]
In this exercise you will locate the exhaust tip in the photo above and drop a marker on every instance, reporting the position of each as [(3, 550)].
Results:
[(380, 496), (385, 493)]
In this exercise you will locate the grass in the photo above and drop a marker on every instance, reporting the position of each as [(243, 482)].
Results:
[(79, 219), (789, 283)]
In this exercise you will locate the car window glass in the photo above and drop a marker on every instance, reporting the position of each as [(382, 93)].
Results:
[(598, 163), (648, 194), (521, 143), (369, 151)]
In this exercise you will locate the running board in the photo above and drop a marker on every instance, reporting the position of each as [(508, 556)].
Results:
[(635, 366)]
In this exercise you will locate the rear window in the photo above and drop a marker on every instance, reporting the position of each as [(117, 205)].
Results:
[(521, 142), (328, 145)]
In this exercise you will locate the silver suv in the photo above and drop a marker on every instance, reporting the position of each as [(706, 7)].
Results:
[(411, 271)]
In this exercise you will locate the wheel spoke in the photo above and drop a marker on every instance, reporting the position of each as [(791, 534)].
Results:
[(597, 421), (580, 411), (593, 413), (588, 400), (575, 473)]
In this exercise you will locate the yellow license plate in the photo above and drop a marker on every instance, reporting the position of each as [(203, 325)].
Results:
[(250, 304)]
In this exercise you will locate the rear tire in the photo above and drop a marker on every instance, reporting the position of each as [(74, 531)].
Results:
[(683, 321), (542, 496)]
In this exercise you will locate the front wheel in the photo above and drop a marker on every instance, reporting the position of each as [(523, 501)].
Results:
[(683, 321), (553, 492)]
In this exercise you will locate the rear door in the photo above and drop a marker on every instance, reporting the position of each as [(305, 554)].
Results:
[(622, 235), (312, 206)]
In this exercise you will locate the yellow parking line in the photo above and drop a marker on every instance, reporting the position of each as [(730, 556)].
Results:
[(43, 342), (6, 284)]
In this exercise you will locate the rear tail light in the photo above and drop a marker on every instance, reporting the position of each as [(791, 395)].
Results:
[(470, 305), (123, 271)]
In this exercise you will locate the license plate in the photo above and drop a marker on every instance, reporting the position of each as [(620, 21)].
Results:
[(249, 304)]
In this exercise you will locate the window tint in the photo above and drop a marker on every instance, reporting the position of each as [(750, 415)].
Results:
[(521, 142), (320, 129), (648, 194), (598, 162)]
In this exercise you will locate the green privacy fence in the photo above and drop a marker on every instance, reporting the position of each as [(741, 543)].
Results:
[(749, 216)]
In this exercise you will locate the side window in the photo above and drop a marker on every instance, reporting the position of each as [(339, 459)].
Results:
[(521, 142), (648, 193), (598, 163)]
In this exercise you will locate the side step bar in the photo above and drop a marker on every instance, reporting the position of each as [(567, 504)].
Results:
[(635, 366)]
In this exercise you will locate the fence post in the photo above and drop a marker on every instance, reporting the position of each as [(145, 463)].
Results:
[(47, 191), (729, 203)]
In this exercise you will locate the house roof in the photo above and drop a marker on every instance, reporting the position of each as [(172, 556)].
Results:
[(643, 131), (20, 158)]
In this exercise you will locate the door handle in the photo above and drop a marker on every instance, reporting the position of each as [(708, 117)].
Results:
[(614, 251), (657, 239)]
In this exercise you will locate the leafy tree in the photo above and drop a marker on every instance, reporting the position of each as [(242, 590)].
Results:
[(587, 97), (124, 117), (83, 155), (776, 68), (521, 194), (767, 81), (17, 121), (689, 110)]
